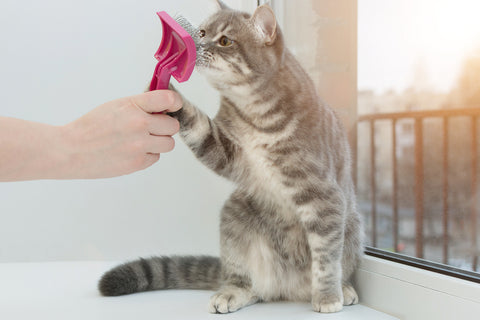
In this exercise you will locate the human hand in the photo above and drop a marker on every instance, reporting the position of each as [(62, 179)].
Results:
[(121, 136)]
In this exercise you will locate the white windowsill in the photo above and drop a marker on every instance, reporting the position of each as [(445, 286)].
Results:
[(411, 293), (67, 290)]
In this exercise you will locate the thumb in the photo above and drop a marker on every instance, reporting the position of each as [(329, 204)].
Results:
[(158, 101)]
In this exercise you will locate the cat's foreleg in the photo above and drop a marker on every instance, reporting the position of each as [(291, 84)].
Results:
[(236, 293), (322, 212), (206, 139)]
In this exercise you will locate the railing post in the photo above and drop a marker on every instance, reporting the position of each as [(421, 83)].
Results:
[(473, 213), (445, 190), (372, 183), (394, 185), (419, 187)]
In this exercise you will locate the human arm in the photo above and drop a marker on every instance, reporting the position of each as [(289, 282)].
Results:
[(116, 138)]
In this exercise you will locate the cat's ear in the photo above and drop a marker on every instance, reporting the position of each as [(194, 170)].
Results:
[(221, 5), (264, 21)]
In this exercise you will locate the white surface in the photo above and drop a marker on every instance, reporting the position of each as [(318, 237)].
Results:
[(59, 60), (411, 293), (67, 290)]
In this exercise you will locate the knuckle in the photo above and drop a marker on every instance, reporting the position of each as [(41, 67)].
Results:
[(130, 103), (173, 99), (170, 97), (135, 123), (176, 125), (138, 147), (141, 122), (169, 144)]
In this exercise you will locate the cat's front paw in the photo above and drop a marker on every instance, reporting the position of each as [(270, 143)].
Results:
[(230, 300), (223, 303), (327, 303)]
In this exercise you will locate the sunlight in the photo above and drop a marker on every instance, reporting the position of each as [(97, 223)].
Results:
[(438, 34)]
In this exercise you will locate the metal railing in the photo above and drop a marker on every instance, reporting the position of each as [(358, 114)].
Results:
[(418, 117)]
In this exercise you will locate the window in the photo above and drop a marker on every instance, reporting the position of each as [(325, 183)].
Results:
[(418, 148), (405, 78)]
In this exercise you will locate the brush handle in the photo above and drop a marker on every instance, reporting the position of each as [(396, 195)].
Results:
[(161, 78)]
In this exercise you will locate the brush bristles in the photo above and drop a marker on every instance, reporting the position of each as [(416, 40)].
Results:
[(191, 30)]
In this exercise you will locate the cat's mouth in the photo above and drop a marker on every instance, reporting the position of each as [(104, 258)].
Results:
[(204, 58)]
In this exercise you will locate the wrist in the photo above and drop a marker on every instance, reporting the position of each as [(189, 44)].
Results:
[(54, 158), (65, 153)]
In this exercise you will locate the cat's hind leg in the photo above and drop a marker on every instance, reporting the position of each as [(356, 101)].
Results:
[(349, 295)]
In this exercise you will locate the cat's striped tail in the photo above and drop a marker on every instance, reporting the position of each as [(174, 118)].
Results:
[(176, 272)]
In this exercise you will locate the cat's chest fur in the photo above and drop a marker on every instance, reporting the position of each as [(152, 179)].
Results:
[(262, 173), (259, 171)]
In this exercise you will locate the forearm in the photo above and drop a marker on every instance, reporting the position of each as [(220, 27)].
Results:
[(31, 150)]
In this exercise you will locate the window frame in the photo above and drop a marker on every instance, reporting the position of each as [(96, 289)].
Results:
[(423, 264), (410, 292)]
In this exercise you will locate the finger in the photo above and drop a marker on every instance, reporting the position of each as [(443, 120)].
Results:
[(150, 158), (160, 144), (163, 125), (158, 101)]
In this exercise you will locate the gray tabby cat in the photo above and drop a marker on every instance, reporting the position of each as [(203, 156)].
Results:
[(290, 230)]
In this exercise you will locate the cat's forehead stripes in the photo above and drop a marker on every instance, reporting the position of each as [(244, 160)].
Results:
[(221, 27), (217, 25), (221, 30), (217, 37), (226, 22)]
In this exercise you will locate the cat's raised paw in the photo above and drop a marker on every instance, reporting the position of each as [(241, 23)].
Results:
[(327, 303)]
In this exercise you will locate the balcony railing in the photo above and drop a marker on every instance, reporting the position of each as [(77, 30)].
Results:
[(418, 118)]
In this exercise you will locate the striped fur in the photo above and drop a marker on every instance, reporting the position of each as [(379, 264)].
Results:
[(291, 229), (162, 273)]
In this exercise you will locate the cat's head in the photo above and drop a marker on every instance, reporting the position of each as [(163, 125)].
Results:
[(236, 48)]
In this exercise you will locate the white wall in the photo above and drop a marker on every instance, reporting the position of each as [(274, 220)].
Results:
[(58, 60), (323, 36)]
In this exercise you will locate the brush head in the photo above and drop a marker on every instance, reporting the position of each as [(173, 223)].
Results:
[(191, 30), (177, 52)]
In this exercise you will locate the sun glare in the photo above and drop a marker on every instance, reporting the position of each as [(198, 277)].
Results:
[(439, 34)]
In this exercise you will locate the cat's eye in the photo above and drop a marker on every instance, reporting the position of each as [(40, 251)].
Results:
[(202, 33), (225, 41)]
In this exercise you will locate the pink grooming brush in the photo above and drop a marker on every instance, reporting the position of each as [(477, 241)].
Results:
[(177, 52)]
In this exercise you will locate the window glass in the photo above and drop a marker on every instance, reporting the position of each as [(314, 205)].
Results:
[(418, 146)]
